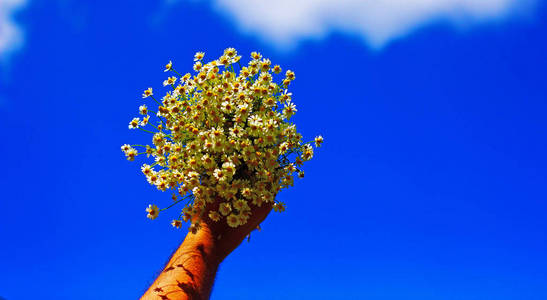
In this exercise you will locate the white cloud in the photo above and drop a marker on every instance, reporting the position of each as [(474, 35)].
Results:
[(11, 36), (285, 22)]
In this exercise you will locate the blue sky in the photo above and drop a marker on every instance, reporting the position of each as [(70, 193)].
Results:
[(431, 183)]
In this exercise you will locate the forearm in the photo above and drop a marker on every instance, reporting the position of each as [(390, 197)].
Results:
[(190, 273)]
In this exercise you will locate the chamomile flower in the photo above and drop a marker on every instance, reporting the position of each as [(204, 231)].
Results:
[(223, 60), (199, 56), (207, 161), (236, 59), (230, 52), (131, 153), (232, 220), (220, 175), (242, 219), (170, 81), (318, 141), (307, 153), (256, 55), (225, 208), (290, 75), (147, 93), (285, 96), (152, 211), (229, 167), (283, 148), (276, 69), (265, 65), (246, 192), (243, 109), (144, 121), (241, 205), (146, 170), (125, 147), (289, 110), (215, 216), (134, 123), (236, 131), (176, 223), (143, 110), (197, 66), (162, 185), (227, 107), (168, 67)]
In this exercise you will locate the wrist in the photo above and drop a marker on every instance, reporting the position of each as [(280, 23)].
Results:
[(191, 271)]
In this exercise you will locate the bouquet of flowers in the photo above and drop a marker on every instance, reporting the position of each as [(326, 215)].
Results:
[(221, 139)]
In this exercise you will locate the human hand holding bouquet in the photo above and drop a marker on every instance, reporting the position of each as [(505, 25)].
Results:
[(222, 142)]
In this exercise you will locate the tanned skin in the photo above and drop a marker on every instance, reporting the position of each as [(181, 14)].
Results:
[(191, 271)]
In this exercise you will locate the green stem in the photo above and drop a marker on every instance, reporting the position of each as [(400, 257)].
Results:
[(147, 130), (175, 203), (176, 72), (155, 100)]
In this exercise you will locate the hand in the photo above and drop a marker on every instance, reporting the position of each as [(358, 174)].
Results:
[(190, 272), (226, 238)]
